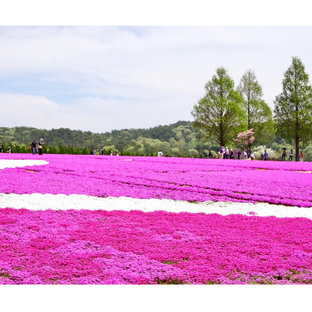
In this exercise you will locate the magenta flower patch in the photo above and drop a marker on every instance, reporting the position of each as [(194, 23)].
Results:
[(101, 247), (286, 183), (119, 247)]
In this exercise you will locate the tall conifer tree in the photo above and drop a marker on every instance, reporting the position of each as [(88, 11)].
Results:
[(258, 113), (219, 114), (293, 107)]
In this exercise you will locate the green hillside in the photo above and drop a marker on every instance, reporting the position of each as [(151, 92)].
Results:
[(178, 139)]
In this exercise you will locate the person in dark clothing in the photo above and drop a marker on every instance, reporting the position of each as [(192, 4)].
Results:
[(265, 155), (284, 154), (222, 154), (248, 152), (204, 155), (210, 155), (231, 154), (239, 154), (40, 146), (227, 153), (33, 147), (102, 151), (291, 154)]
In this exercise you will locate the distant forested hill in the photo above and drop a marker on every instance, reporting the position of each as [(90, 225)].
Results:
[(178, 139)]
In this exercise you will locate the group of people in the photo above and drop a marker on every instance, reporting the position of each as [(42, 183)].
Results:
[(116, 152), (112, 153), (210, 155), (291, 154), (34, 146), (8, 151), (226, 153)]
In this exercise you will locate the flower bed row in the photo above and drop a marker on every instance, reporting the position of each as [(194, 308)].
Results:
[(287, 183), (101, 247)]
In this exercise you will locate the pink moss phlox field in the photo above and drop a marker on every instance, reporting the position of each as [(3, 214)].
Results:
[(287, 183), (118, 247)]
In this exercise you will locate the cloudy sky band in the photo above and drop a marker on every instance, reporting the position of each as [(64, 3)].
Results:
[(104, 78)]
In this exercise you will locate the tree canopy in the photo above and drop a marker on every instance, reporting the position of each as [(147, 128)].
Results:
[(258, 113), (219, 115), (293, 107)]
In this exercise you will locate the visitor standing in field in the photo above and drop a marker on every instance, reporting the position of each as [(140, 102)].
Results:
[(9, 150), (210, 155), (265, 155), (245, 155), (40, 144), (33, 147), (231, 154), (222, 152), (284, 154), (248, 152), (102, 151), (227, 153), (291, 154), (239, 154), (160, 154), (301, 156)]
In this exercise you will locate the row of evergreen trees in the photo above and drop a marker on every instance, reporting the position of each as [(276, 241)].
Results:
[(224, 111)]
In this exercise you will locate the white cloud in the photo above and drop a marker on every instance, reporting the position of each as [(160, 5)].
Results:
[(93, 113), (133, 77), (26, 110)]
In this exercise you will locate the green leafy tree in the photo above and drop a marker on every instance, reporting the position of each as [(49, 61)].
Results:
[(293, 107), (219, 115), (258, 113)]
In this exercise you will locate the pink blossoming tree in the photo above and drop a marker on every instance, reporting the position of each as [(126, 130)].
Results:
[(245, 138)]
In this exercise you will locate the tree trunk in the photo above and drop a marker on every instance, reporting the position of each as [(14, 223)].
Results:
[(297, 120), (221, 119), (248, 106), (297, 148), (297, 133), (221, 135)]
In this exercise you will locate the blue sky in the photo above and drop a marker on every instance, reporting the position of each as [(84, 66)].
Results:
[(104, 78)]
